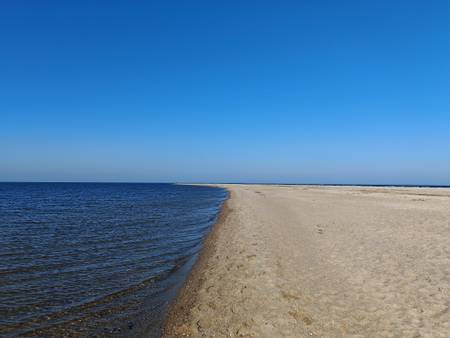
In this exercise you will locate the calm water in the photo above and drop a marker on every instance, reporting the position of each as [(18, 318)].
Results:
[(82, 259)]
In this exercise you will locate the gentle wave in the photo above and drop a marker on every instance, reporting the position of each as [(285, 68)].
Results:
[(97, 259)]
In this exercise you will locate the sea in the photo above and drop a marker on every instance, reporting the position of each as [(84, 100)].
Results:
[(97, 259)]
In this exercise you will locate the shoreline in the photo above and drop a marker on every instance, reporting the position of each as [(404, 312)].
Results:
[(302, 261), (178, 315)]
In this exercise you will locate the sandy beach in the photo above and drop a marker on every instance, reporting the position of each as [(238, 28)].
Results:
[(302, 261)]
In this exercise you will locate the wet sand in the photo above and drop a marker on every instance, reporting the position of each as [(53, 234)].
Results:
[(302, 261)]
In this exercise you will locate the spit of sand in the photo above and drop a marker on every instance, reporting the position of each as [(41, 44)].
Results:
[(301, 261)]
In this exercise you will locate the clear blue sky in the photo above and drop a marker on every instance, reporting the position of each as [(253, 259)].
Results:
[(262, 91)]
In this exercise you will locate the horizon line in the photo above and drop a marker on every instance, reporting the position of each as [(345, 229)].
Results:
[(240, 183)]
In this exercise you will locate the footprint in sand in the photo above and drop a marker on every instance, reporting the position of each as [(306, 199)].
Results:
[(299, 316), (289, 295)]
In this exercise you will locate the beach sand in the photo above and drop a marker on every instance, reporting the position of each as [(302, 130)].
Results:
[(302, 261)]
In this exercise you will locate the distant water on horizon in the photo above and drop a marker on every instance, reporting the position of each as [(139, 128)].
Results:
[(97, 259)]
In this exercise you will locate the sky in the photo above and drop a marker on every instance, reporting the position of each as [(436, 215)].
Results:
[(225, 91)]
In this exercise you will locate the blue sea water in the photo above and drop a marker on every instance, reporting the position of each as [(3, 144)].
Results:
[(97, 259)]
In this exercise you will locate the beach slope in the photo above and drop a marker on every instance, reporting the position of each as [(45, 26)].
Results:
[(301, 261)]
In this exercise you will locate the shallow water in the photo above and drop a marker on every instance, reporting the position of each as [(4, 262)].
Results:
[(82, 259)]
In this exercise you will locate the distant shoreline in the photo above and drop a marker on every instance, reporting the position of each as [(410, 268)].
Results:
[(325, 185)]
